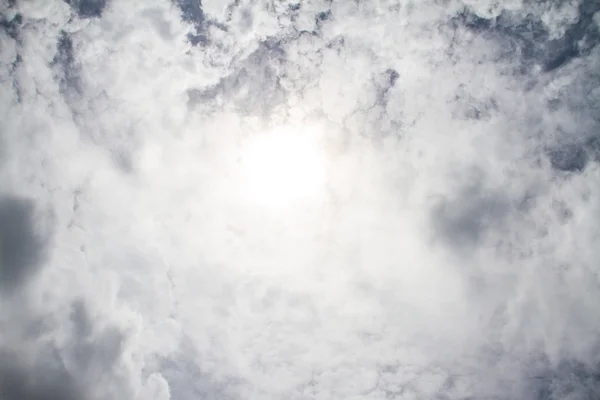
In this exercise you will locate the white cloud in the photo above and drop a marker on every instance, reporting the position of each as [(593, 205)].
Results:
[(448, 247)]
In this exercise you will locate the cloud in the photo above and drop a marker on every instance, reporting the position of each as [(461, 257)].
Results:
[(22, 247), (40, 383), (87, 8), (465, 221), (452, 252), (191, 12)]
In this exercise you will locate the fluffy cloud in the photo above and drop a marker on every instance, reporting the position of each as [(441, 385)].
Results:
[(451, 253)]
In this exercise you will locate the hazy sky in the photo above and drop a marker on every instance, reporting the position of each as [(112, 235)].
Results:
[(284, 199)]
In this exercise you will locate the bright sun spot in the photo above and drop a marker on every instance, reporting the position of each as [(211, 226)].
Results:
[(283, 167)]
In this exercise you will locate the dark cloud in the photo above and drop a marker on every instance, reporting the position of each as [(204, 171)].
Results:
[(526, 39), (574, 142), (12, 26), (88, 8), (574, 157), (542, 379), (46, 380), (64, 61), (94, 351), (81, 319), (465, 220), (22, 247), (198, 38), (321, 18), (569, 157), (91, 352), (568, 380), (192, 13), (518, 38), (579, 39)]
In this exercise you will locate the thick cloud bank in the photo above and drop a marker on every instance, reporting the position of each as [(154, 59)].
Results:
[(433, 233)]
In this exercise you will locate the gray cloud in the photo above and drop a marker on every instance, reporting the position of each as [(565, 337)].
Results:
[(254, 87), (22, 245), (527, 36), (42, 382), (191, 12), (12, 26), (466, 221), (37, 365), (87, 8), (568, 380)]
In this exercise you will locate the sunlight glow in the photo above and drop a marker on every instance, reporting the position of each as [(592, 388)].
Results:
[(283, 167)]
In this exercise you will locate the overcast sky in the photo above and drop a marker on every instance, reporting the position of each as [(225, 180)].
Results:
[(284, 199)]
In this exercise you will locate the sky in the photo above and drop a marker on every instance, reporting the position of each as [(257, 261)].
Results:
[(299, 200)]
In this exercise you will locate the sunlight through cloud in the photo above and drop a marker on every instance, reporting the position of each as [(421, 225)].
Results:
[(283, 166)]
